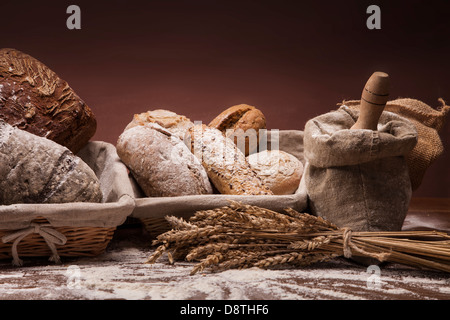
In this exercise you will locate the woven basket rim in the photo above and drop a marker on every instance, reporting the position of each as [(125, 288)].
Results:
[(158, 207), (79, 214)]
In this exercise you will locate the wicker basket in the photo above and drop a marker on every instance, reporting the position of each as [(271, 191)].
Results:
[(70, 229), (78, 242), (151, 211)]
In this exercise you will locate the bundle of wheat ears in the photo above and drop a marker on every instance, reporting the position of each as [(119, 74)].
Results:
[(244, 236)]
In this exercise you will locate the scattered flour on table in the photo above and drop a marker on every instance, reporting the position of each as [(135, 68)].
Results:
[(121, 274)]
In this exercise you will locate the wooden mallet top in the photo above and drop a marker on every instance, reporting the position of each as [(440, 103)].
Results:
[(373, 100)]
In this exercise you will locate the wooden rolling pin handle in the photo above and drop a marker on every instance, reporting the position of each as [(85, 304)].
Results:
[(373, 100)]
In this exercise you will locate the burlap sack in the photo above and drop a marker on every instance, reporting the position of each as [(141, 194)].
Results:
[(428, 123), (184, 206), (358, 178), (117, 202)]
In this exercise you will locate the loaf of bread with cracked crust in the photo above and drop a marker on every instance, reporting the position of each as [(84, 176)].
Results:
[(35, 99), (34, 169), (225, 164), (238, 123), (174, 123), (161, 163), (279, 170)]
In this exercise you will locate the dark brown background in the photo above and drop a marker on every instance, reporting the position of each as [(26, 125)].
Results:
[(293, 60)]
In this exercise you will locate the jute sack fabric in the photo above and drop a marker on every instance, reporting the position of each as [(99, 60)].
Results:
[(358, 178), (428, 123), (156, 208)]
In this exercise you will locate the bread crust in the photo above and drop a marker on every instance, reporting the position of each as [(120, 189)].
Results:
[(225, 164), (35, 99), (174, 123), (279, 170), (34, 169), (161, 163), (238, 121)]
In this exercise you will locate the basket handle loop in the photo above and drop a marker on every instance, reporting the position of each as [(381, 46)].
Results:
[(50, 235)]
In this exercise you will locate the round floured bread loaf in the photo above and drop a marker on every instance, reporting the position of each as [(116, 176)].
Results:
[(225, 164), (161, 163), (34, 169), (174, 123), (279, 170)]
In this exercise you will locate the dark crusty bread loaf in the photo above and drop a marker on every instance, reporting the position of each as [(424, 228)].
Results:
[(34, 169), (35, 99), (161, 163), (225, 164)]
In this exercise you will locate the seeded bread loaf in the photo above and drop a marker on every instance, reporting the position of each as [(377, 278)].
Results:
[(34, 169), (35, 99), (225, 164), (279, 170), (161, 163), (174, 123)]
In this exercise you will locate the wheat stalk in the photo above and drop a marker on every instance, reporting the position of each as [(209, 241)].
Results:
[(243, 236)]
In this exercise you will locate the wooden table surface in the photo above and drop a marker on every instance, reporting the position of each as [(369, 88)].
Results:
[(120, 273), (428, 213)]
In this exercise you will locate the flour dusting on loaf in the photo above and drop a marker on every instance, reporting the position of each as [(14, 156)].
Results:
[(161, 163), (34, 169), (279, 170), (224, 162), (176, 124)]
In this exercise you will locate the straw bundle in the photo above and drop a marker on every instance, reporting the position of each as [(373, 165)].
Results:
[(243, 236)]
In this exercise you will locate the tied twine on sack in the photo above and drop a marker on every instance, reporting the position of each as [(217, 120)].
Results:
[(50, 235)]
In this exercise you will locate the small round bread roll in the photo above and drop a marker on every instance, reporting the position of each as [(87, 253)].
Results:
[(161, 163), (174, 123), (279, 170)]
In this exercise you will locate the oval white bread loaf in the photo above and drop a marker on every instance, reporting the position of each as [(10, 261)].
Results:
[(225, 164), (34, 169), (279, 170), (161, 163)]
